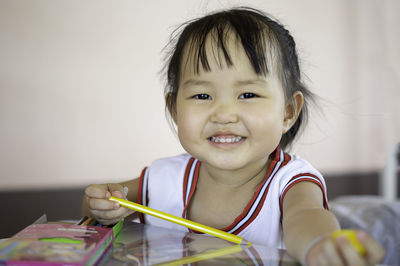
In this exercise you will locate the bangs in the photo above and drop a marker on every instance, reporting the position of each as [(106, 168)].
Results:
[(215, 34), (251, 30)]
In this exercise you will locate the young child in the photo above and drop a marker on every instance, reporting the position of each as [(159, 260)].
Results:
[(235, 94)]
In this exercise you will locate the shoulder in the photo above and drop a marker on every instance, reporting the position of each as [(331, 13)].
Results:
[(165, 173), (169, 167), (295, 165), (298, 170), (176, 161), (294, 169)]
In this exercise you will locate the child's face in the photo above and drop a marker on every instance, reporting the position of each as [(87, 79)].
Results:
[(230, 118)]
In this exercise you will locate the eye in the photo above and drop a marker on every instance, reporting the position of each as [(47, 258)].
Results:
[(202, 96), (248, 95)]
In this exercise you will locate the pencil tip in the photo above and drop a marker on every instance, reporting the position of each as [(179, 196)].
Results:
[(245, 243)]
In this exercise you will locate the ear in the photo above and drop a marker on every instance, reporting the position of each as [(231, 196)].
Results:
[(292, 110), (171, 105)]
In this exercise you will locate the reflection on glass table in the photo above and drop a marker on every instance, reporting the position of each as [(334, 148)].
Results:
[(140, 244)]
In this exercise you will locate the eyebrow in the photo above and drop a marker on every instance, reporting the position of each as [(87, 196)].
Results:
[(251, 81), (195, 82)]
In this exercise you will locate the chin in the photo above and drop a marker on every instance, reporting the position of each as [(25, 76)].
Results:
[(225, 164)]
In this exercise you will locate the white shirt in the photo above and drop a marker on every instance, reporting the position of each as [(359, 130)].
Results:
[(169, 183)]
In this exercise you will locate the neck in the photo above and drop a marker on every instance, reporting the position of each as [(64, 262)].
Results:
[(233, 179)]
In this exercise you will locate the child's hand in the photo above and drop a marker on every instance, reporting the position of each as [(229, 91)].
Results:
[(339, 251), (102, 209)]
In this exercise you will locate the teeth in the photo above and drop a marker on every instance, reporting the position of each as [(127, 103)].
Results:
[(226, 139)]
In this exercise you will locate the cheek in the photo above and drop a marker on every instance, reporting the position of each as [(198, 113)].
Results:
[(267, 122), (187, 123), (267, 126)]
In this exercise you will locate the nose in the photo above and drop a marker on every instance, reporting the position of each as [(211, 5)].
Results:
[(224, 113)]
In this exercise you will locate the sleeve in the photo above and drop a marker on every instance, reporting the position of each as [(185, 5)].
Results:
[(142, 191), (305, 173), (306, 177)]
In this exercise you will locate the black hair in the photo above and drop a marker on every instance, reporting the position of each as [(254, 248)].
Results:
[(259, 35)]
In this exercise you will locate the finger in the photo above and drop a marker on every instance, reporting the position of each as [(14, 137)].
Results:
[(96, 191), (320, 260), (375, 252), (116, 190), (332, 254), (316, 255), (316, 258), (102, 204), (350, 255), (110, 215), (111, 221)]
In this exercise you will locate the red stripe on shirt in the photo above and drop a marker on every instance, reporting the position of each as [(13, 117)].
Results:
[(305, 179), (287, 158), (192, 188), (185, 179)]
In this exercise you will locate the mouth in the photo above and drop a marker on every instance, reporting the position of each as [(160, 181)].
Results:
[(226, 139)]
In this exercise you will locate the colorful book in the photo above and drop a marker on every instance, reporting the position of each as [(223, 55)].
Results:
[(57, 244)]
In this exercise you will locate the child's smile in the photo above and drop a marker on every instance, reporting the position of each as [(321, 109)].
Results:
[(225, 138), (230, 117)]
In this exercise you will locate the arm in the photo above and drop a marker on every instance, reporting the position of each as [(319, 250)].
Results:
[(96, 204), (305, 220), (305, 216)]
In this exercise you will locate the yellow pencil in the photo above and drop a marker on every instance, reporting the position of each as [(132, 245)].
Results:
[(87, 221), (204, 256), (181, 221)]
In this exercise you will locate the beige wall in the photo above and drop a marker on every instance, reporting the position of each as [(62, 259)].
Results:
[(81, 98)]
